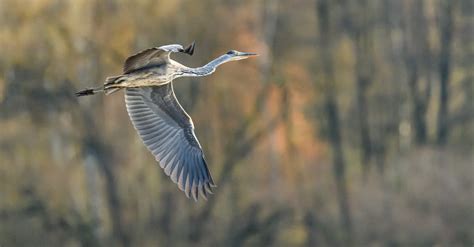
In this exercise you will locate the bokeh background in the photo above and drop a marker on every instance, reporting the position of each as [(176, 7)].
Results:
[(354, 126)]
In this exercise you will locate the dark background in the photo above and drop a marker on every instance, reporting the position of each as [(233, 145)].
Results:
[(354, 126)]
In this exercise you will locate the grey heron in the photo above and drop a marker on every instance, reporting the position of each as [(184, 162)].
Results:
[(161, 122)]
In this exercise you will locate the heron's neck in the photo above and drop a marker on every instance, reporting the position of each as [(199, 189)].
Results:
[(207, 69)]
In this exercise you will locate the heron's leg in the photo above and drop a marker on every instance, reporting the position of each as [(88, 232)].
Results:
[(89, 91)]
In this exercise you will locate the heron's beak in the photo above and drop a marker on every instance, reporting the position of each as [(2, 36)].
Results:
[(244, 55), (190, 49)]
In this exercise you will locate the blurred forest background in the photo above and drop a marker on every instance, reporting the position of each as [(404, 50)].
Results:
[(354, 126)]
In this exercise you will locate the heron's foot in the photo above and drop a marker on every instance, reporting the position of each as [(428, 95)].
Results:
[(85, 92)]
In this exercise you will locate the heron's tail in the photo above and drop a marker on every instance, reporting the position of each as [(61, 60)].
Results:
[(112, 83), (110, 86)]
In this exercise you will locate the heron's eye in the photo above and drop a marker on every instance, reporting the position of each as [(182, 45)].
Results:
[(231, 52)]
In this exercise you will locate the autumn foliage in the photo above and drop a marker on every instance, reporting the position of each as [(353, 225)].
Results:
[(354, 126)]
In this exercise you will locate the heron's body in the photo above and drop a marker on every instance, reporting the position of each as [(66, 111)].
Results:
[(155, 75), (161, 122)]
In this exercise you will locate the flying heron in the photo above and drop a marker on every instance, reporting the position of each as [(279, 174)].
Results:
[(161, 122)]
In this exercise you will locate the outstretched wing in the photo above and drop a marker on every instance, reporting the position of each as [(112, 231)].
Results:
[(168, 132), (153, 56)]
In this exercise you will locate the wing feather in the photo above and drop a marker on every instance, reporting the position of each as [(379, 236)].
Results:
[(168, 132), (145, 58), (153, 57)]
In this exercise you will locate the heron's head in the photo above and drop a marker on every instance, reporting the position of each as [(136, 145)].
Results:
[(234, 55)]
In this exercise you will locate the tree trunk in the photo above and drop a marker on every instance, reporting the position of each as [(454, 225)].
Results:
[(446, 34), (363, 81), (270, 18), (356, 23), (416, 47), (339, 165), (332, 113), (419, 106)]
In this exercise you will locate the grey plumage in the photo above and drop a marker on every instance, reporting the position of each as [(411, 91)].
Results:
[(161, 122), (168, 132)]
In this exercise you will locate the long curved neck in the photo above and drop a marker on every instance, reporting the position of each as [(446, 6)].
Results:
[(207, 69)]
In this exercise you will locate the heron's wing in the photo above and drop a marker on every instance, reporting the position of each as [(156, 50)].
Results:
[(168, 132), (148, 57)]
